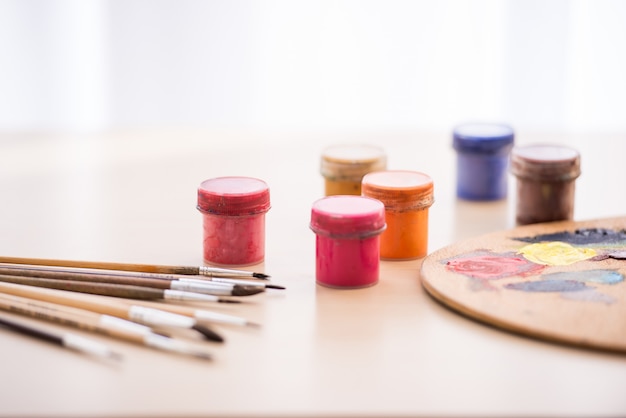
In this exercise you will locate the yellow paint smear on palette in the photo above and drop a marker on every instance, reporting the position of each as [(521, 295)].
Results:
[(555, 253)]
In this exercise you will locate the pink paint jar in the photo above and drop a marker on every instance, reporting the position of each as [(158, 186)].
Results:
[(233, 214), (347, 243)]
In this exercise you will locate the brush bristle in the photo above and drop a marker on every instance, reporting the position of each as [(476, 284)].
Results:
[(203, 356), (239, 290), (224, 300), (208, 333), (274, 286), (261, 276)]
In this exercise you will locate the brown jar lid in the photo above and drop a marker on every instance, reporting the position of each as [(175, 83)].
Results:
[(545, 162)]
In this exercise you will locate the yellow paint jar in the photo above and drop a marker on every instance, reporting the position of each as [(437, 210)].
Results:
[(407, 196), (343, 167)]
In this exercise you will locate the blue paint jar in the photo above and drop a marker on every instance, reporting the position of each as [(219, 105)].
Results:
[(482, 160)]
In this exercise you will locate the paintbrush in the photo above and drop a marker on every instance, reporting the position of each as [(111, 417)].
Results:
[(100, 276), (117, 290), (242, 282), (201, 315), (103, 324), (64, 339), (139, 274), (148, 268), (108, 306)]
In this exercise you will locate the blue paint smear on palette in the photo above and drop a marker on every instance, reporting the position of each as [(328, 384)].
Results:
[(550, 285), (582, 237), (573, 284), (589, 276), (589, 295)]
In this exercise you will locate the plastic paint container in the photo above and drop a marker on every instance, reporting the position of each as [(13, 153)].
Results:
[(343, 167), (546, 176), (233, 213), (407, 196), (347, 242), (482, 160)]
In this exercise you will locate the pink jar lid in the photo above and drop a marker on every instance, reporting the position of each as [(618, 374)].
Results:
[(233, 196), (347, 216)]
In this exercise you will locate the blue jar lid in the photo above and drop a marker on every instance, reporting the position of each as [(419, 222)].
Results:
[(481, 138)]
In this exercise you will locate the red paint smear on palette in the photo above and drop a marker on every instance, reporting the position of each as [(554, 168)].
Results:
[(486, 265)]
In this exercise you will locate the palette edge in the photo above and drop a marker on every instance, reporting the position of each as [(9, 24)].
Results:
[(494, 321)]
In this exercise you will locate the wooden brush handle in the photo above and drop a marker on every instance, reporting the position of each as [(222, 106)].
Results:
[(87, 277), (102, 265), (64, 315), (105, 289), (93, 303)]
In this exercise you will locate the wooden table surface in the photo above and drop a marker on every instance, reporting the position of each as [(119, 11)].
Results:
[(388, 350)]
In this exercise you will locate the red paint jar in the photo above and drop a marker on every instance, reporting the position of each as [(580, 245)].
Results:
[(347, 244), (233, 210)]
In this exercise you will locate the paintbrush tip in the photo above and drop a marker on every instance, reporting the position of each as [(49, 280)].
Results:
[(203, 356), (261, 276), (239, 290), (224, 300), (274, 286), (208, 333)]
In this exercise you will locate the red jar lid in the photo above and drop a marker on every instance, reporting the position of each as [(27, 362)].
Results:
[(399, 189), (233, 196), (347, 216)]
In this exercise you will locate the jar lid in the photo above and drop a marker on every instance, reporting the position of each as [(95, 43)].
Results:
[(352, 161), (347, 216), (399, 189), (483, 138), (545, 162), (233, 196)]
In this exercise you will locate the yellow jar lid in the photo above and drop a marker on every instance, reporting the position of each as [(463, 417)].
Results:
[(352, 161)]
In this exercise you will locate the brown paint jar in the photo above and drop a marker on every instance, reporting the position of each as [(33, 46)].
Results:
[(546, 176)]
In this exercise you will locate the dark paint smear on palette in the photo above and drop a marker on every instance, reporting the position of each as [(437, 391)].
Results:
[(583, 237)]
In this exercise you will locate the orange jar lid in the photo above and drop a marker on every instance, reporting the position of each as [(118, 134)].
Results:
[(399, 190)]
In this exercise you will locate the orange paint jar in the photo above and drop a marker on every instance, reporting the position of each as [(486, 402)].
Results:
[(343, 167), (407, 196)]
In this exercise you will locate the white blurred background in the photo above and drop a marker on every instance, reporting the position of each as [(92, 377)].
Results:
[(98, 65)]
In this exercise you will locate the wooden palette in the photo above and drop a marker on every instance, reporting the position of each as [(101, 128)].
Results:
[(559, 281)]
